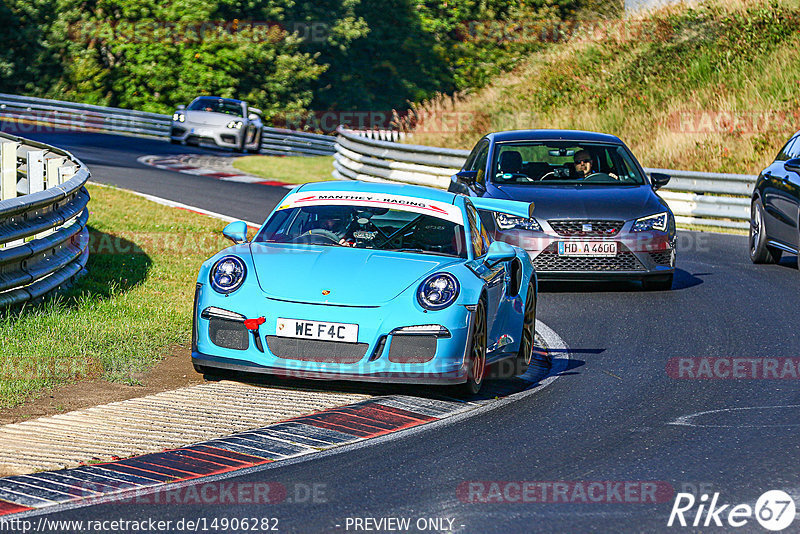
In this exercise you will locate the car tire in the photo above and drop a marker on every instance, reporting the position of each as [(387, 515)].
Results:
[(476, 370), (661, 283), (759, 251), (528, 333)]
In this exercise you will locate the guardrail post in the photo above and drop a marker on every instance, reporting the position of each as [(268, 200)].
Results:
[(8, 169), (65, 172), (51, 171), (35, 181)]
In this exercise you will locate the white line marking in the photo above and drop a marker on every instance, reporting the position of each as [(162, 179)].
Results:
[(685, 420)]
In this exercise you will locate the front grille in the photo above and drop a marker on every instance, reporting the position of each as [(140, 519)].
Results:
[(662, 258), (313, 350), (575, 227), (228, 334), (412, 349), (177, 131), (549, 260)]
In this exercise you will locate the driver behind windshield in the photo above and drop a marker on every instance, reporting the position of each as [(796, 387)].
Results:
[(336, 220), (583, 163)]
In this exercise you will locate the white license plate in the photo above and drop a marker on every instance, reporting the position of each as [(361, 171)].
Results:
[(346, 333), (587, 248)]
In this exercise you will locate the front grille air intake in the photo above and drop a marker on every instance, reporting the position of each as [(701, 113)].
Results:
[(313, 350), (549, 260), (580, 227)]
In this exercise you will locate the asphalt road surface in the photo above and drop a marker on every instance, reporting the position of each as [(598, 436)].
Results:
[(641, 414)]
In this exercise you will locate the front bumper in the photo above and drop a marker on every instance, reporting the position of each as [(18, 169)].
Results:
[(373, 358), (405, 377), (639, 255)]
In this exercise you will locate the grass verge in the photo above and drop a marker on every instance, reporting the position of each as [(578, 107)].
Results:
[(119, 319), (292, 170)]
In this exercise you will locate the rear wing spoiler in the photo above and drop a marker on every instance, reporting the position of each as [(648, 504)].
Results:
[(510, 207)]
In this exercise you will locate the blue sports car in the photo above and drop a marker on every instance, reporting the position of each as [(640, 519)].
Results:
[(372, 282)]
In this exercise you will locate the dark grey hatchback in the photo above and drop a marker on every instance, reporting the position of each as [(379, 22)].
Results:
[(597, 215)]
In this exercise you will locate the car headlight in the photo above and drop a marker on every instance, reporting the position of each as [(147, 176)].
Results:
[(235, 124), (510, 222), (438, 291), (651, 222), (180, 117), (227, 274)]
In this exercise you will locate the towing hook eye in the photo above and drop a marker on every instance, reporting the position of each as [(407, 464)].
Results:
[(253, 324)]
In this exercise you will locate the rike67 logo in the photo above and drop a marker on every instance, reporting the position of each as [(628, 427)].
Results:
[(774, 510)]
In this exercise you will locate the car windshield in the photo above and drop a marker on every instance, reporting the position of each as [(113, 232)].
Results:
[(216, 105), (364, 226), (564, 162)]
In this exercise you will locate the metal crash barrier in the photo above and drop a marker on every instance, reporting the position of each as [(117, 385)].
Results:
[(43, 215)]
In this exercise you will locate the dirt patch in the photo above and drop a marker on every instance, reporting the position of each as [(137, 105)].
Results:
[(173, 372)]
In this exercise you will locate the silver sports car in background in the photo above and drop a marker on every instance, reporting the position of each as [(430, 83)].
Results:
[(226, 122), (597, 214)]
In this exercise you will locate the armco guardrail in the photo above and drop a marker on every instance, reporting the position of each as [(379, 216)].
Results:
[(43, 214), (696, 198), (88, 117)]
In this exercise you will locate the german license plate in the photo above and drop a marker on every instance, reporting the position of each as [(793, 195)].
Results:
[(587, 248), (346, 333)]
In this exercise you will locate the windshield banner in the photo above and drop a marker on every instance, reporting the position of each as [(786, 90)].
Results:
[(442, 210)]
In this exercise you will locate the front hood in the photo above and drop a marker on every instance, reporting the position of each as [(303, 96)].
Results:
[(210, 118), (354, 277), (586, 201)]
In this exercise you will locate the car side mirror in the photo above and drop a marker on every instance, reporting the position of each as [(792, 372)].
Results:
[(499, 251), (236, 232), (253, 117), (659, 180), (181, 107), (792, 165)]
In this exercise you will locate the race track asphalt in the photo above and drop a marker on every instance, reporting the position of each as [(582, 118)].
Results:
[(610, 418)]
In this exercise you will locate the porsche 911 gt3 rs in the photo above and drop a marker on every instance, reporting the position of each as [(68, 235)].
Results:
[(372, 282)]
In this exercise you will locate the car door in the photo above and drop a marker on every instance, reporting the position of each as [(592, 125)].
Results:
[(494, 278), (780, 196)]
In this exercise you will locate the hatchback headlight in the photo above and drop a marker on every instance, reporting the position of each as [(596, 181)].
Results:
[(652, 222), (235, 124), (180, 117), (511, 222), (438, 291), (227, 274)]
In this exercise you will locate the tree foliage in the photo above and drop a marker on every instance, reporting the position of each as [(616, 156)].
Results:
[(284, 56)]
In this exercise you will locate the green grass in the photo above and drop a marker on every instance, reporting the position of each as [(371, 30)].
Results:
[(736, 57), (292, 170), (121, 317)]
